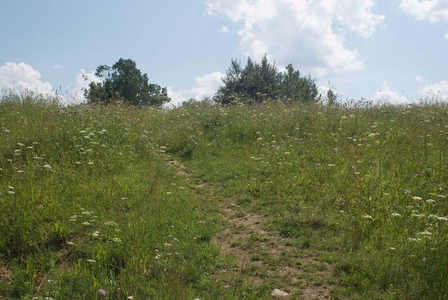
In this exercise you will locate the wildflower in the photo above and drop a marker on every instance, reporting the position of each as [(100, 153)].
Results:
[(417, 198), (86, 223), (110, 223), (441, 196), (442, 218), (102, 292), (367, 217), (96, 234), (331, 165), (395, 215), (11, 192), (117, 240), (91, 261), (413, 239), (430, 201), (130, 298), (167, 245), (407, 192), (70, 243), (426, 232), (47, 166), (418, 215)]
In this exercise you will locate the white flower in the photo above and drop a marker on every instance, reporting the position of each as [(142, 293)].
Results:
[(91, 260), (395, 215), (86, 223), (417, 198), (111, 223), (367, 217), (117, 240), (417, 215), (430, 201), (442, 218), (47, 166), (426, 232)]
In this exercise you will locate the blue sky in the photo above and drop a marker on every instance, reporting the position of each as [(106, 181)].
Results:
[(378, 50)]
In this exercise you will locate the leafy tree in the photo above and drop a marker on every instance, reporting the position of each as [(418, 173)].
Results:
[(258, 82), (124, 82)]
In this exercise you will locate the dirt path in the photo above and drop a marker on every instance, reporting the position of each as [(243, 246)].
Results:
[(264, 257)]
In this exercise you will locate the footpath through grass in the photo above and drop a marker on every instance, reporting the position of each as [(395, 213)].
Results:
[(89, 203)]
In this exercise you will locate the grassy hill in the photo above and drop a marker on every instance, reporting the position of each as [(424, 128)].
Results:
[(213, 202)]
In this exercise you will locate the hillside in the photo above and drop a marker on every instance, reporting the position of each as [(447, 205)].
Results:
[(212, 202)]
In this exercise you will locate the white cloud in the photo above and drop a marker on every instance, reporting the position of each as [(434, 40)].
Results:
[(387, 95), (437, 91), (224, 29), (22, 77), (433, 10), (81, 83), (206, 86), (446, 36), (420, 79), (301, 32)]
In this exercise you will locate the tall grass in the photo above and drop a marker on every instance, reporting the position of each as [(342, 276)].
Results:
[(88, 202), (369, 181)]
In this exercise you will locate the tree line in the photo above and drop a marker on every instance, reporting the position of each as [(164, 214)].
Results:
[(256, 82)]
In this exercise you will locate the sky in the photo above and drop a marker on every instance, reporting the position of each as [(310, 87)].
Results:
[(384, 51)]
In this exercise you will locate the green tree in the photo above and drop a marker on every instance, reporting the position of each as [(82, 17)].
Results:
[(262, 81), (124, 82), (295, 88)]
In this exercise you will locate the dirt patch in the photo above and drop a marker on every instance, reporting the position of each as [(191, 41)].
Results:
[(264, 257)]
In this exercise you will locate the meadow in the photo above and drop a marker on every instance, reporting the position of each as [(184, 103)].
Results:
[(93, 206)]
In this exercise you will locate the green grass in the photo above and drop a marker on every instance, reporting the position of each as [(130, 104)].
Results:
[(88, 201)]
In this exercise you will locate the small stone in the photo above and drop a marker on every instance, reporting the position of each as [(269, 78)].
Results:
[(278, 292)]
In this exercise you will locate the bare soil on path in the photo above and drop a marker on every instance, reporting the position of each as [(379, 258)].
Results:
[(264, 257)]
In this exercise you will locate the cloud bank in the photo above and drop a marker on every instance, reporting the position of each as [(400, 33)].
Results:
[(310, 34), (22, 77), (206, 86), (434, 11)]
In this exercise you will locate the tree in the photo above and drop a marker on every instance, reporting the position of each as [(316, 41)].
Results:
[(258, 82), (124, 82)]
